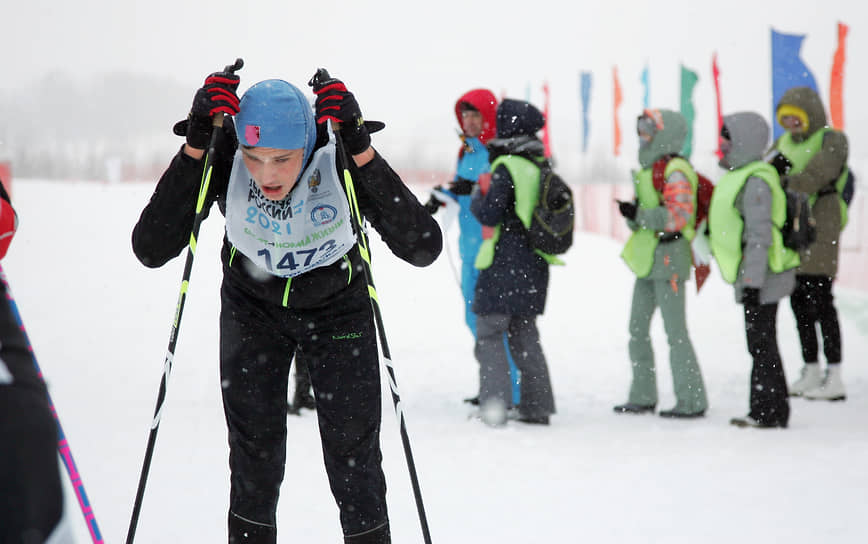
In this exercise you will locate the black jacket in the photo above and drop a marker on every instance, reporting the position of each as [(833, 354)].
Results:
[(164, 227), (517, 281)]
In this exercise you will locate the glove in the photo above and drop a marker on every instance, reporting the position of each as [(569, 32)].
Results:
[(335, 103), (781, 163), (433, 205), (461, 186), (628, 209), (217, 95), (750, 296)]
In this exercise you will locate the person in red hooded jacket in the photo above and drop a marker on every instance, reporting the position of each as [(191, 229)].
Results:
[(476, 112)]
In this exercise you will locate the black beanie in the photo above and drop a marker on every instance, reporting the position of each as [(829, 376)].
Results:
[(518, 118)]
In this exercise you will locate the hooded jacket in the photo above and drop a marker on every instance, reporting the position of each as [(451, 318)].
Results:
[(757, 201), (663, 216), (824, 167), (516, 282)]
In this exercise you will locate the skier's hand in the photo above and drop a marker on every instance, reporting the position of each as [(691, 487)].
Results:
[(217, 95), (335, 103), (628, 209), (750, 296)]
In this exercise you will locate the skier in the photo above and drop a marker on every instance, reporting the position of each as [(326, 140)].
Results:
[(818, 155), (475, 111), (31, 496), (662, 219), (292, 282), (513, 279), (748, 209)]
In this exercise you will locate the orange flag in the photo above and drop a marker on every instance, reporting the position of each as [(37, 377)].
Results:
[(618, 99), (836, 87)]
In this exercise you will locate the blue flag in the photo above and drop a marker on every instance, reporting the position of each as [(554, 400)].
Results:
[(788, 71), (647, 89), (586, 103)]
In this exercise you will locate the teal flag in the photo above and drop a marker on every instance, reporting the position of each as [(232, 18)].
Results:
[(688, 82)]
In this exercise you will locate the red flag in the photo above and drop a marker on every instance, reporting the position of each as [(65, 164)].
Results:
[(547, 146), (836, 87), (716, 73), (619, 97)]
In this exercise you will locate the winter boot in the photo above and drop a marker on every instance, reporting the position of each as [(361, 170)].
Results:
[(832, 387), (811, 378), (748, 421), (633, 408), (380, 535)]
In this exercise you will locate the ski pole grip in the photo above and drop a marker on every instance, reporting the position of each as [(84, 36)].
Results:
[(217, 120), (319, 78)]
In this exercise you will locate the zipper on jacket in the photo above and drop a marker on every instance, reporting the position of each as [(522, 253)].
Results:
[(231, 256)]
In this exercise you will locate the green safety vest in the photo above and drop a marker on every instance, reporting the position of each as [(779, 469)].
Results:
[(639, 251), (525, 176), (727, 225), (801, 153)]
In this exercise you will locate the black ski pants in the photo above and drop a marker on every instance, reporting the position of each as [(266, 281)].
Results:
[(812, 302), (338, 342), (769, 402), (31, 497)]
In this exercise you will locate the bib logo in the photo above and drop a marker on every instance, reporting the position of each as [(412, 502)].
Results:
[(251, 134), (323, 215), (314, 180)]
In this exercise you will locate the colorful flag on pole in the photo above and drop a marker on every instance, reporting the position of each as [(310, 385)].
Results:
[(688, 82), (547, 145), (836, 86), (715, 72), (788, 71), (646, 94), (586, 107), (618, 98)]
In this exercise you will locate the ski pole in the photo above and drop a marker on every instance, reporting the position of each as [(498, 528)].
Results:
[(179, 309), (321, 76), (63, 448)]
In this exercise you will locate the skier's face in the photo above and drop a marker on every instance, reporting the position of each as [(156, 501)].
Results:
[(274, 171), (471, 123)]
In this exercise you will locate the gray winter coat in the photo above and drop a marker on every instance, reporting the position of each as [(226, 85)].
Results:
[(749, 134)]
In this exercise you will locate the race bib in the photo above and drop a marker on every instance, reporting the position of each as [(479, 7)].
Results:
[(309, 228)]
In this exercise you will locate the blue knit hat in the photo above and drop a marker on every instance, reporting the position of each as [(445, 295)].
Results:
[(276, 114)]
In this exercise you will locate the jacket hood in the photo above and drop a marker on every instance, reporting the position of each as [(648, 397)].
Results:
[(518, 118), (749, 134), (806, 99), (668, 139), (486, 103)]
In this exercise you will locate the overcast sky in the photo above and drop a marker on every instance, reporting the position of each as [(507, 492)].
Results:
[(408, 61)]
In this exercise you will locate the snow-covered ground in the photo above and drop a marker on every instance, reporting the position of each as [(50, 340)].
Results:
[(99, 323)]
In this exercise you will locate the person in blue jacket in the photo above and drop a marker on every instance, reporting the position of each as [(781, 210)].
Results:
[(475, 111)]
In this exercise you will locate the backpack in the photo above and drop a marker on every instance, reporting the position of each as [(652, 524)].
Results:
[(800, 228), (551, 226), (704, 188)]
